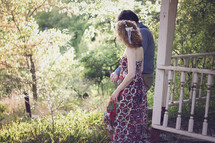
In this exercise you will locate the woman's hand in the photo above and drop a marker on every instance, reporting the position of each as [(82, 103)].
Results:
[(114, 95)]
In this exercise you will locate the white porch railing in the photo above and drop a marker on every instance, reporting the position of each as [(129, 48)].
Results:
[(190, 87)]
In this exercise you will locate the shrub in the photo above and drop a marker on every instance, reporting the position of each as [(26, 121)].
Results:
[(2, 109), (77, 127)]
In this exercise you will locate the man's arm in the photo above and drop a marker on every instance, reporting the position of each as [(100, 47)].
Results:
[(117, 71)]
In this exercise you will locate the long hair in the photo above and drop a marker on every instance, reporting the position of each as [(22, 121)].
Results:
[(136, 38)]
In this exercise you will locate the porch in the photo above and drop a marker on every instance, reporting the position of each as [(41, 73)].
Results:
[(185, 83)]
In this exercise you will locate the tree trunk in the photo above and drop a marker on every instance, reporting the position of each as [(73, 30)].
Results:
[(34, 79)]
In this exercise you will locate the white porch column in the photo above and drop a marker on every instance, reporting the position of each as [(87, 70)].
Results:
[(165, 42)]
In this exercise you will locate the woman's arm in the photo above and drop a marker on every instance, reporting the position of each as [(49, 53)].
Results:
[(130, 53)]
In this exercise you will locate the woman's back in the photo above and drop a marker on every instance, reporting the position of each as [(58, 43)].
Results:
[(139, 54)]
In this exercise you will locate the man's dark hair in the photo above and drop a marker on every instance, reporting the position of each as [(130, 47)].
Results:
[(128, 15)]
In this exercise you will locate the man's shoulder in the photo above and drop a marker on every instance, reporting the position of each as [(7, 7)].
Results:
[(145, 32), (143, 29)]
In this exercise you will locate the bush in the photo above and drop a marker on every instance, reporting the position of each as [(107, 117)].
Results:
[(77, 127), (2, 109)]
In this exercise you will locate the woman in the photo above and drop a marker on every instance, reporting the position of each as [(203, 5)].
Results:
[(126, 115)]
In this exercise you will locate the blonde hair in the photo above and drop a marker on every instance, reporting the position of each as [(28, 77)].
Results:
[(136, 38)]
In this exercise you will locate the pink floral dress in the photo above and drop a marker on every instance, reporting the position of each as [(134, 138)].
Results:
[(126, 120)]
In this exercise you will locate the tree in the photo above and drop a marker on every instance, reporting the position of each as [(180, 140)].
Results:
[(76, 25), (195, 27), (21, 40)]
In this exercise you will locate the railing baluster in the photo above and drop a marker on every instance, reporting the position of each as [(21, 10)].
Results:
[(194, 69), (165, 121), (191, 121), (178, 122), (193, 66), (185, 62), (202, 75), (205, 123), (174, 76)]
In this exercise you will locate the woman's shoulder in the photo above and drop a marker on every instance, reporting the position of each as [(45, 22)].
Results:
[(133, 50), (130, 50)]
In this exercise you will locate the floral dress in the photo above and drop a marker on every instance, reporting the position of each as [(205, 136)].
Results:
[(126, 119)]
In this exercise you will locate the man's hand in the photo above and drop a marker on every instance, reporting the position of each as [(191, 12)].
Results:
[(114, 77)]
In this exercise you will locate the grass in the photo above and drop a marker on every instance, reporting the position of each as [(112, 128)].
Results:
[(13, 103)]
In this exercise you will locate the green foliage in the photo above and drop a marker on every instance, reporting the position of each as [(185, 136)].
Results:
[(98, 64), (71, 104), (195, 27), (76, 127), (76, 25), (2, 109)]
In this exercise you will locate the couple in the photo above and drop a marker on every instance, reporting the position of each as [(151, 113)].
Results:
[(126, 114)]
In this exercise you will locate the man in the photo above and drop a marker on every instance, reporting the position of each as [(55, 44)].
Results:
[(148, 48)]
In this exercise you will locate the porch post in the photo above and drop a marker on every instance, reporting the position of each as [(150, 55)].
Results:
[(165, 42)]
